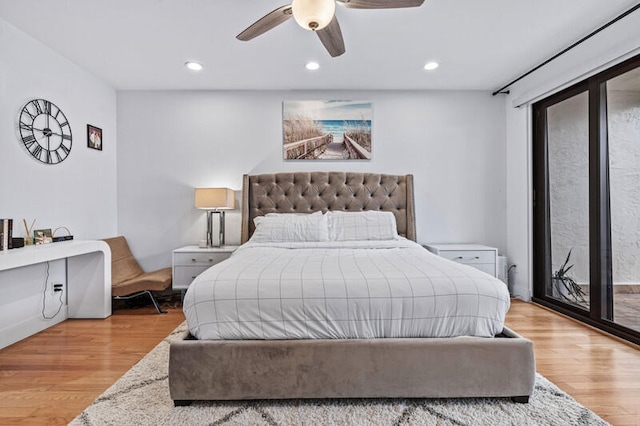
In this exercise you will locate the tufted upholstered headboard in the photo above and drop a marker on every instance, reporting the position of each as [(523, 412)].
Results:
[(304, 192)]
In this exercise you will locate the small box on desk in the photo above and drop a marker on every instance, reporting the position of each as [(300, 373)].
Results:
[(62, 238), (17, 242)]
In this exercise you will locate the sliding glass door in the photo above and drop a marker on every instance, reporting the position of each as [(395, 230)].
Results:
[(623, 129), (586, 162)]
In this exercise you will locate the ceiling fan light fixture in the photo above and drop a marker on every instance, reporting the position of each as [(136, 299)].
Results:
[(313, 15)]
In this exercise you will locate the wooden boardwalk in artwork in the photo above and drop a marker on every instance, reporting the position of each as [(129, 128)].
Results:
[(335, 151), (344, 149), (325, 147)]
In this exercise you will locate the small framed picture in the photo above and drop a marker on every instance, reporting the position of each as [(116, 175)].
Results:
[(94, 137), (42, 236)]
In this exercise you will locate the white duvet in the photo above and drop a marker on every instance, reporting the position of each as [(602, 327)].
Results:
[(343, 290)]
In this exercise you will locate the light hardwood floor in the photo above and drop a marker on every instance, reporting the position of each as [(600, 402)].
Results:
[(49, 378), (599, 371)]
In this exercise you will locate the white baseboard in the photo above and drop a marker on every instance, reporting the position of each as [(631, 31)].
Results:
[(16, 332), (521, 292)]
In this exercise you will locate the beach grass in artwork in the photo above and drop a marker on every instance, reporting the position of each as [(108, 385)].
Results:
[(326, 130)]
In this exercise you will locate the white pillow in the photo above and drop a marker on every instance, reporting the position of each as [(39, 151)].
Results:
[(290, 227), (364, 225)]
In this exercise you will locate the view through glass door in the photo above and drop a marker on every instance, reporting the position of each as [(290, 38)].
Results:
[(568, 165), (586, 207), (623, 129)]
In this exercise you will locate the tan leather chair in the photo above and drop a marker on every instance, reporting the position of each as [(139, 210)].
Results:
[(128, 279)]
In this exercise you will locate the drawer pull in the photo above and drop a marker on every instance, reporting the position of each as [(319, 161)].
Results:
[(462, 258), (194, 277), (193, 260)]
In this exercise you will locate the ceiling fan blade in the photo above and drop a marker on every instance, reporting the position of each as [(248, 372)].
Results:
[(331, 38), (267, 22), (379, 4)]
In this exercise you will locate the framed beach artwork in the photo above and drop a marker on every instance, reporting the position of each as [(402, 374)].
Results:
[(326, 130)]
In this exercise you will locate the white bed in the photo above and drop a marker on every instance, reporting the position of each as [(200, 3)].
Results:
[(343, 290)]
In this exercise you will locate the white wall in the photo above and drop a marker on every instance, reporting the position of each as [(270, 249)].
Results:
[(518, 194), (80, 192), (173, 141), (611, 46)]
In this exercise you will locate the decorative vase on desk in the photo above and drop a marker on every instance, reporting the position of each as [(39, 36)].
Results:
[(28, 239)]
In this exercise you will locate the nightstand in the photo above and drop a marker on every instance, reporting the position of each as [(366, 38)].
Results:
[(191, 261), (480, 257)]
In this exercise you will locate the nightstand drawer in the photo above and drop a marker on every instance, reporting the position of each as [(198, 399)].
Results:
[(478, 256), (184, 275), (200, 259), (470, 256), (489, 268), (191, 261)]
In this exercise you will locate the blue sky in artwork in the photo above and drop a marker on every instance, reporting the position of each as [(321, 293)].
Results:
[(329, 110)]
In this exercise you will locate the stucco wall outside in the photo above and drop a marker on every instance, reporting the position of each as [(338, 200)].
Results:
[(568, 168), (568, 132), (624, 173)]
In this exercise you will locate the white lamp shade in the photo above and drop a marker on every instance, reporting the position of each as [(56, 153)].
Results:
[(313, 14), (215, 198)]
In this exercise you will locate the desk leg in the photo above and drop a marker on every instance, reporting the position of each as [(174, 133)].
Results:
[(89, 286)]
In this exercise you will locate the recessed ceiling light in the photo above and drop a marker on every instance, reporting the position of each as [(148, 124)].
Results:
[(193, 66), (312, 66), (430, 66)]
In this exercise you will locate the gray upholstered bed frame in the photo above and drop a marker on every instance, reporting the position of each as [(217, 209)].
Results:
[(376, 368)]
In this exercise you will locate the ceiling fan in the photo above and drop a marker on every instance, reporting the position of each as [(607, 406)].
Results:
[(319, 16)]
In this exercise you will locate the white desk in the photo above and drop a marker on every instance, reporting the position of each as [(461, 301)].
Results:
[(88, 280)]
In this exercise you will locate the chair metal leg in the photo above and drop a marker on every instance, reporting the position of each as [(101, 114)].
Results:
[(155, 303)]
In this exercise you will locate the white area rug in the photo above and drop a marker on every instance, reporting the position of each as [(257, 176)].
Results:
[(141, 397)]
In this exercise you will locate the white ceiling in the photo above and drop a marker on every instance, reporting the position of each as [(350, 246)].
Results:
[(143, 44)]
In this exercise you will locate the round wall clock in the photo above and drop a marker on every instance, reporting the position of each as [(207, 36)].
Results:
[(45, 131)]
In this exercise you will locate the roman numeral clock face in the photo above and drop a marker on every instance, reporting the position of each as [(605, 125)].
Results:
[(45, 131)]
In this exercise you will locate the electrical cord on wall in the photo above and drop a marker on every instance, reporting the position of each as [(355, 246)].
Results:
[(508, 272), (56, 288)]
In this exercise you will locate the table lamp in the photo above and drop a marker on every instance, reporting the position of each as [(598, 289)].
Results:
[(215, 200)]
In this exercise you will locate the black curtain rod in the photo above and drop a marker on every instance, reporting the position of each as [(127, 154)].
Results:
[(588, 36)]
